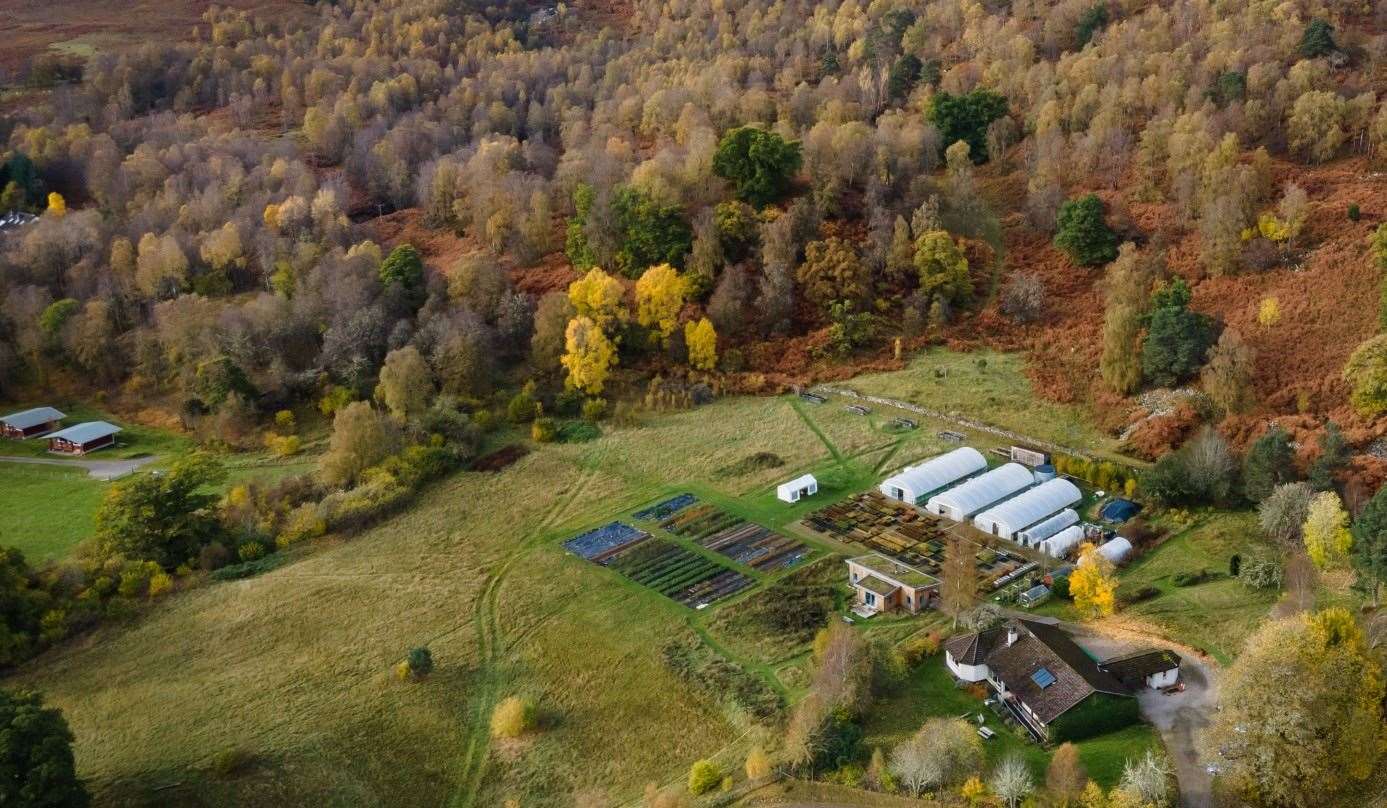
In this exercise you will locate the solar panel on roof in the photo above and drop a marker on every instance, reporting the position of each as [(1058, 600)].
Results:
[(1043, 678)]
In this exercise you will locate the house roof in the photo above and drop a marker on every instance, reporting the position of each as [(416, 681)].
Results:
[(894, 571), (1037, 646), (871, 583), (26, 419), (1132, 669), (86, 433)]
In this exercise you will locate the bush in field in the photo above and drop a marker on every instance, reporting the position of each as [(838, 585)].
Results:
[(513, 717), (704, 776), (758, 764), (417, 664), (544, 430)]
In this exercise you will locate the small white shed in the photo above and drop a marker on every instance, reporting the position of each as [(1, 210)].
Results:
[(797, 489)]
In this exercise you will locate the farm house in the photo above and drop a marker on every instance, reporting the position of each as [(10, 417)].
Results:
[(83, 438), (1060, 544), (915, 483), (1011, 517), (1034, 535), (795, 490), (30, 423), (981, 492)]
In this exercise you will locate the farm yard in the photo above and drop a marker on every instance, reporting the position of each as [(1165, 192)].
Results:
[(911, 537)]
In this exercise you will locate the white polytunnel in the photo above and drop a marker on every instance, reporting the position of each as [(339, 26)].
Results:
[(1020, 512), (1039, 532), (965, 500), (1060, 544), (914, 483)]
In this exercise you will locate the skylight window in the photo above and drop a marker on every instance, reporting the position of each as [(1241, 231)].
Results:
[(1043, 678)]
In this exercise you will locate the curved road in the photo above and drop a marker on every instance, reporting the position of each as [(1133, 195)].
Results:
[(97, 469)]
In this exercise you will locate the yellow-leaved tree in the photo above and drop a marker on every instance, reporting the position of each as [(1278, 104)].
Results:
[(1093, 584), (1269, 312), (588, 355), (597, 296), (660, 295), (1327, 539), (57, 206), (703, 344)]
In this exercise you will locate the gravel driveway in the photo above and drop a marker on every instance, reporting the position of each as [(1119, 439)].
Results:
[(97, 469), (1181, 718)]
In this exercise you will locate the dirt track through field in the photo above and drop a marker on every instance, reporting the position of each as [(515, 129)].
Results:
[(472, 767)]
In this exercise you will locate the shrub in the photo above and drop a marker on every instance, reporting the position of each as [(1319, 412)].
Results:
[(352, 509), (544, 430), (704, 776), (594, 409), (231, 762), (303, 522), (512, 718), (250, 551), (1354, 214), (1143, 594), (758, 764), (283, 445), (417, 664), (160, 583), (578, 432), (213, 556), (523, 406), (1192, 578), (285, 422), (916, 650)]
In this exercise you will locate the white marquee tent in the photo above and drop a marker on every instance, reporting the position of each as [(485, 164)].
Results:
[(802, 486), (914, 483), (1059, 545), (1039, 532), (1016, 514), (962, 501)]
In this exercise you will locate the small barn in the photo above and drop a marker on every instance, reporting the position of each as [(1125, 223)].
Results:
[(1155, 668), (795, 490), (30, 423), (965, 500), (83, 438), (1011, 517), (915, 483)]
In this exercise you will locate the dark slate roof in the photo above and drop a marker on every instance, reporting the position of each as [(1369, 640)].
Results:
[(972, 649), (86, 433), (32, 418), (1132, 669), (1038, 645)]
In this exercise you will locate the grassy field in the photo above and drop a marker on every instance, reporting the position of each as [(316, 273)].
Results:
[(1215, 616), (991, 387), (931, 692), (278, 688), (45, 510), (291, 670)]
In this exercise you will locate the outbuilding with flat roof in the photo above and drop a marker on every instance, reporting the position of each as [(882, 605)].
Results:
[(30, 423), (83, 438), (883, 584)]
